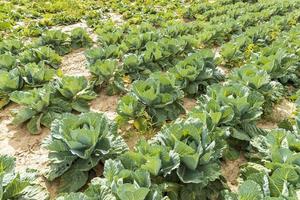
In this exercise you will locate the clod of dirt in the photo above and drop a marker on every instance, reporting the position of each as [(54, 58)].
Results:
[(132, 140), (189, 103), (117, 18), (17, 141), (265, 124), (105, 103), (282, 110), (225, 71), (74, 64), (231, 171), (52, 187), (26, 148)]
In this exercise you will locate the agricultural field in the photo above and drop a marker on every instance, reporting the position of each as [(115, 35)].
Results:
[(150, 100)]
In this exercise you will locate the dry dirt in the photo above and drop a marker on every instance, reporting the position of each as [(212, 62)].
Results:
[(266, 124), (74, 64), (105, 103), (26, 148), (189, 103), (20, 143), (231, 171), (116, 18), (284, 109)]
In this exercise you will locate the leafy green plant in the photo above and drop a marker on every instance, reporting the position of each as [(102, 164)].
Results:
[(41, 107), (110, 35), (75, 89), (197, 148), (163, 48), (77, 144), (280, 64), (260, 81), (180, 162), (120, 183), (37, 74), (9, 82), (160, 96), (105, 72), (57, 40), (196, 72), (41, 54), (97, 53), (80, 38), (130, 108), (133, 66), (7, 62), (12, 46), (278, 175), (18, 185), (232, 105)]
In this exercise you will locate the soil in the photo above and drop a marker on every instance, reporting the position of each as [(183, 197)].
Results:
[(189, 103), (105, 103), (266, 124), (74, 64), (26, 148), (20, 143), (132, 139), (117, 18), (284, 109), (231, 171)]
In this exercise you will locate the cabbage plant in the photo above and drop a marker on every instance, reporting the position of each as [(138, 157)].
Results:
[(277, 176), (9, 81), (158, 95), (234, 106), (80, 38), (196, 72), (41, 54), (57, 40), (36, 75), (7, 62), (40, 107), (16, 185), (182, 161), (75, 89), (77, 144)]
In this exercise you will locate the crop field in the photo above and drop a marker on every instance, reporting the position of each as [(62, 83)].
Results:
[(150, 100)]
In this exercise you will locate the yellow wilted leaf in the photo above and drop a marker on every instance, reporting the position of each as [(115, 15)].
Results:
[(126, 79)]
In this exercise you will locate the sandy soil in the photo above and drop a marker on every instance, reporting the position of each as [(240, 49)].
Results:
[(20, 143), (105, 103), (131, 139), (117, 18), (26, 148), (231, 171), (74, 64), (284, 109), (189, 103), (225, 71), (266, 124), (216, 51)]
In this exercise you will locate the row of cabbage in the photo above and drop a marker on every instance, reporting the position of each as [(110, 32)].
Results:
[(27, 19), (30, 65)]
